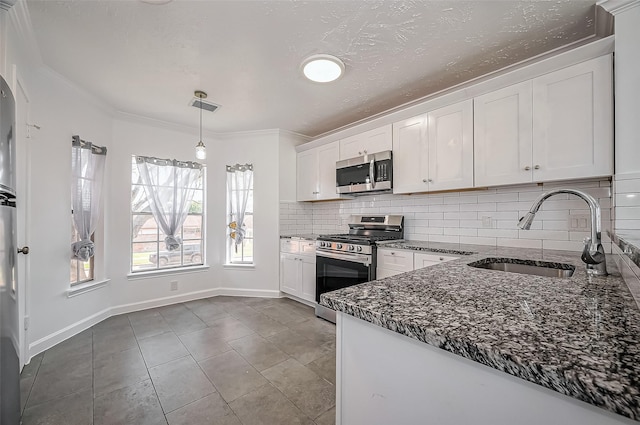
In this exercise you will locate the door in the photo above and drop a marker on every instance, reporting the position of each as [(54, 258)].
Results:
[(328, 155), (503, 136), (573, 122), (307, 176), (410, 155), (289, 276), (25, 133), (368, 142), (450, 139), (308, 278)]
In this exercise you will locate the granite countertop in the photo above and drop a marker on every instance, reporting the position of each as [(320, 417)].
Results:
[(579, 336), (306, 237), (629, 243)]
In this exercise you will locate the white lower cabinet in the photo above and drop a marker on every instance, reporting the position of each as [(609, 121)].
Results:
[(298, 269), (395, 261)]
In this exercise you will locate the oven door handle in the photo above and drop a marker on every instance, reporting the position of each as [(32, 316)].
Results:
[(354, 258)]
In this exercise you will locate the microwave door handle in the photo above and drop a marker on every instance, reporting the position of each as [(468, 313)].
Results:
[(372, 174)]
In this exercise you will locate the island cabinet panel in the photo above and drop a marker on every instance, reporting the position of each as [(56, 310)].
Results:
[(555, 127), (385, 378), (368, 142), (316, 173), (393, 261), (434, 151), (503, 136), (573, 122), (421, 260)]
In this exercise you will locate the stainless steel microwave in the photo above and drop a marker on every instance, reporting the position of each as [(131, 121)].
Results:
[(363, 174)]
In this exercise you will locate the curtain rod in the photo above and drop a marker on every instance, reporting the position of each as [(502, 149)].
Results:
[(99, 150), (239, 167)]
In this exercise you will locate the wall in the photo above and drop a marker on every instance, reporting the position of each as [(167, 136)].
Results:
[(486, 217)]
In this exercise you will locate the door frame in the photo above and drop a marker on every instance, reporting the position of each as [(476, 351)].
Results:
[(23, 190)]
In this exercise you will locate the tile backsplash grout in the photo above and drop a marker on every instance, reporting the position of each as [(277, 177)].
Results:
[(486, 217)]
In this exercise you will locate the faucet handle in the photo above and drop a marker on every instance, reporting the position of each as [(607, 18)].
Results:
[(592, 253)]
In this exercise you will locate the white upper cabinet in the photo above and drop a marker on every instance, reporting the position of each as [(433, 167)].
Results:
[(450, 135), (316, 173), (503, 136), (434, 151), (554, 127), (573, 122), (369, 142)]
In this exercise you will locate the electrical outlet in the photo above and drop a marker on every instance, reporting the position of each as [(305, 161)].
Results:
[(579, 222), (173, 285), (487, 222)]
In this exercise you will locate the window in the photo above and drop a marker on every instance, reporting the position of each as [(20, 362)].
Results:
[(87, 171), (173, 185), (240, 241)]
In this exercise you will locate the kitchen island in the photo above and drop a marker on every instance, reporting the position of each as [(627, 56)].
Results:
[(454, 344)]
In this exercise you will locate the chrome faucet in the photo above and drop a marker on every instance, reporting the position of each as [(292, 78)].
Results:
[(593, 253)]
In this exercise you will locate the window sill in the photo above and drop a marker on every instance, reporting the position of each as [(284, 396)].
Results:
[(177, 270), (83, 288), (239, 266)]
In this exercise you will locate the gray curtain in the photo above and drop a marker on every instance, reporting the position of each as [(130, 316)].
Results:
[(239, 181), (87, 168), (169, 185)]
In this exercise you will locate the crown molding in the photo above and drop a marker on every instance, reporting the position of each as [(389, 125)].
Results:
[(618, 6), (20, 19), (7, 4)]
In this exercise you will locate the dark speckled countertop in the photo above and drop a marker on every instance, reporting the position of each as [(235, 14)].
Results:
[(579, 336)]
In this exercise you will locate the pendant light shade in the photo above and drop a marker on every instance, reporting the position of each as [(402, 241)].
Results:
[(201, 149)]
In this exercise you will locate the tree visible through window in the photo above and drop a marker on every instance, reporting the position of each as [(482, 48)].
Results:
[(148, 247), (240, 214)]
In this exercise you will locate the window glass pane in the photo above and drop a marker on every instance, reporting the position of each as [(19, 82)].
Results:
[(145, 256), (192, 252), (144, 228), (80, 271), (192, 227)]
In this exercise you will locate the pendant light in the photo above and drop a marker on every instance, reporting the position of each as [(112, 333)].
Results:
[(201, 150)]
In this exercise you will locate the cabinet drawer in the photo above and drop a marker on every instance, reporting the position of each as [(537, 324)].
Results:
[(290, 246), (393, 259), (425, 260), (307, 247)]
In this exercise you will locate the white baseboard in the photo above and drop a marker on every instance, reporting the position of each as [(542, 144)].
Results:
[(57, 337), (300, 300)]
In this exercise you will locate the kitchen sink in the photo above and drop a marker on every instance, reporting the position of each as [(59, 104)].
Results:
[(536, 268)]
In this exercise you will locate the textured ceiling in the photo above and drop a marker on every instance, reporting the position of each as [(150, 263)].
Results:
[(148, 59)]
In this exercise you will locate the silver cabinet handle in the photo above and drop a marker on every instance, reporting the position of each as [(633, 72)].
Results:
[(430, 180), (365, 151), (359, 153), (441, 258), (393, 253), (24, 250), (527, 168), (537, 167), (424, 180)]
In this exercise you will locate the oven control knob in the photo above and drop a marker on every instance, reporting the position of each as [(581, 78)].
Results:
[(359, 249), (351, 248), (339, 246), (320, 243)]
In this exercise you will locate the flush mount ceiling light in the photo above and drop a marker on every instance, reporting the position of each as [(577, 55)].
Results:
[(322, 68), (201, 150)]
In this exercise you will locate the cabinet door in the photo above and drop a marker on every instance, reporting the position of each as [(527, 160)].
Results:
[(289, 276), (395, 259), (450, 140), (572, 122), (328, 155), (503, 135), (368, 142), (410, 155), (308, 278), (307, 187), (421, 260)]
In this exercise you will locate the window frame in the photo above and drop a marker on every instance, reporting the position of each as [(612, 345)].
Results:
[(230, 218), (159, 242)]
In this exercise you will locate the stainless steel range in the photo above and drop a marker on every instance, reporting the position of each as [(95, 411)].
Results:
[(349, 259)]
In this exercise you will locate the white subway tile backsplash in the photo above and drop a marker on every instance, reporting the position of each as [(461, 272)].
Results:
[(457, 217)]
